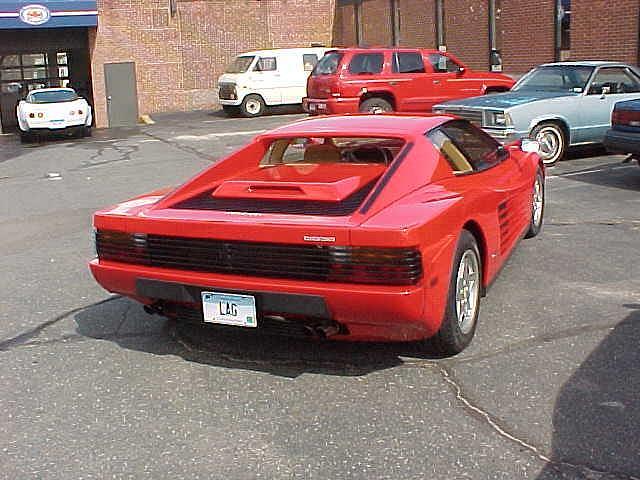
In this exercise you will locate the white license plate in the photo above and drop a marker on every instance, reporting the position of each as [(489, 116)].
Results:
[(322, 106), (312, 107), (229, 309)]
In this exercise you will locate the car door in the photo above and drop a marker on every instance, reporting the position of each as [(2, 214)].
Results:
[(408, 81), (266, 79), (496, 184), (608, 86), (449, 82)]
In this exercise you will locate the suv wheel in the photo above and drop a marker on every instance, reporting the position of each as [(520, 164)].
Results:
[(252, 106), (375, 105)]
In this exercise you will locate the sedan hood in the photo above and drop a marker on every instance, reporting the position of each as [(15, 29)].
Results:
[(507, 100)]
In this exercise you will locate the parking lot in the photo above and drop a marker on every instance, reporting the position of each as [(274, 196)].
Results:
[(93, 387)]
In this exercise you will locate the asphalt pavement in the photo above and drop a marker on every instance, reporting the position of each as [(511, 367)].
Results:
[(93, 387)]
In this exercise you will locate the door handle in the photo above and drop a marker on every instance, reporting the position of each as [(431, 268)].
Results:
[(436, 82), (393, 83)]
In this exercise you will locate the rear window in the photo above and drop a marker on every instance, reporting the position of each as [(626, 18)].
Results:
[(328, 65), (315, 150), (366, 63), (53, 96)]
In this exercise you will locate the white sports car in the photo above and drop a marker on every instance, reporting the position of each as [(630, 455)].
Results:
[(53, 110)]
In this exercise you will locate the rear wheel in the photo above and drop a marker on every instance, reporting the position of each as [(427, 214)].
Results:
[(537, 206), (553, 143), (25, 137), (375, 105), (86, 132), (252, 106), (463, 300)]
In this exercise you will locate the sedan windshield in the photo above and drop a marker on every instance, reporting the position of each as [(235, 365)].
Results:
[(239, 65), (555, 78), (52, 96)]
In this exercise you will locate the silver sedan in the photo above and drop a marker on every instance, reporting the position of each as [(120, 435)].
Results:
[(558, 104)]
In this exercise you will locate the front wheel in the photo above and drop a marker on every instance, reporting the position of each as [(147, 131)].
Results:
[(463, 300), (252, 106), (537, 206), (553, 143)]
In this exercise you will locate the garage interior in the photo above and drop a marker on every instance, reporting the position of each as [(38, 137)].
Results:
[(39, 58)]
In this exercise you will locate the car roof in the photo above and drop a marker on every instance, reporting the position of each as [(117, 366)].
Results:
[(292, 51), (585, 63), (361, 125), (53, 89), (385, 49)]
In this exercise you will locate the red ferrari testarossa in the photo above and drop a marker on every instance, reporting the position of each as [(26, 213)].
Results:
[(364, 227)]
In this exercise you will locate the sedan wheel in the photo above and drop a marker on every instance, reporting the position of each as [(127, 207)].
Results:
[(552, 142)]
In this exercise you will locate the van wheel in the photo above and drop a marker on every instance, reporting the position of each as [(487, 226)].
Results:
[(375, 105), (252, 106)]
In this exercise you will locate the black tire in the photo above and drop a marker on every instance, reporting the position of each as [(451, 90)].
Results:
[(252, 106), (375, 105), (552, 140), (535, 222), (86, 132), (452, 338), (231, 110), (25, 137)]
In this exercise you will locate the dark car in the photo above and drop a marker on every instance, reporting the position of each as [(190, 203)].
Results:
[(624, 134)]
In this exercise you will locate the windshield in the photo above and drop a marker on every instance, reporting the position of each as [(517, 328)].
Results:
[(239, 65), (328, 65), (52, 96), (555, 78)]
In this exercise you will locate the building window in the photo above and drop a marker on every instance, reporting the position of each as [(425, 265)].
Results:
[(563, 29)]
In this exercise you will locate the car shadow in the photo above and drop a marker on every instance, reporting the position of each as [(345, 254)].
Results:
[(124, 322), (596, 420), (609, 175), (270, 111)]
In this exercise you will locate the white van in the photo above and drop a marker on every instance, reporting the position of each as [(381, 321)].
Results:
[(255, 80)]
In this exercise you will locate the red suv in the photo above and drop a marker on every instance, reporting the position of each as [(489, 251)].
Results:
[(393, 79)]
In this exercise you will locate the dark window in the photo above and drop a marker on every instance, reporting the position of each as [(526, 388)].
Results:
[(266, 64), (617, 79), (408, 62), (465, 147), (560, 78), (309, 61), (52, 96), (328, 65), (443, 64), (366, 63)]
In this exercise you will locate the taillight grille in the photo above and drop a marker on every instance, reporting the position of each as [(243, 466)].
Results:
[(385, 266)]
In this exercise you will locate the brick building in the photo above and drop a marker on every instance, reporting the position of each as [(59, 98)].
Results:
[(512, 35), (165, 55)]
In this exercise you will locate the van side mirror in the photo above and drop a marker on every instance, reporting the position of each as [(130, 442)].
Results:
[(460, 71)]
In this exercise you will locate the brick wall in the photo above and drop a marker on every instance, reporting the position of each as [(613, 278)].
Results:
[(344, 30), (526, 33), (605, 30), (417, 23), (467, 31), (178, 58), (376, 22)]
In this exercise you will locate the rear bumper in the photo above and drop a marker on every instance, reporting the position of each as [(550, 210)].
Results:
[(329, 106), (617, 141), (372, 313)]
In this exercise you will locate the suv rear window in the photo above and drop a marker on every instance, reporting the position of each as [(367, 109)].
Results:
[(328, 65), (366, 63)]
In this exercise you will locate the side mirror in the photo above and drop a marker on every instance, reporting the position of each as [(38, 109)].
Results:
[(460, 71), (502, 153), (577, 90), (529, 146)]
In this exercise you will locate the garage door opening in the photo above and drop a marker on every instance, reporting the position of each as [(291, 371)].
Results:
[(31, 59)]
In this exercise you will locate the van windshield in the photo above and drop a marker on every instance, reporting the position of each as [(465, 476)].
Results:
[(328, 65), (239, 65)]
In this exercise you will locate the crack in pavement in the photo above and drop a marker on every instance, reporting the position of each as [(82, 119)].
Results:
[(184, 148), (586, 471), (124, 152)]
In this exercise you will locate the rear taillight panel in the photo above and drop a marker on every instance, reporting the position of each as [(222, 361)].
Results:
[(625, 117)]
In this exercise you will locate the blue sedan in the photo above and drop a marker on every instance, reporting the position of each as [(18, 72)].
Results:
[(558, 104), (624, 135)]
